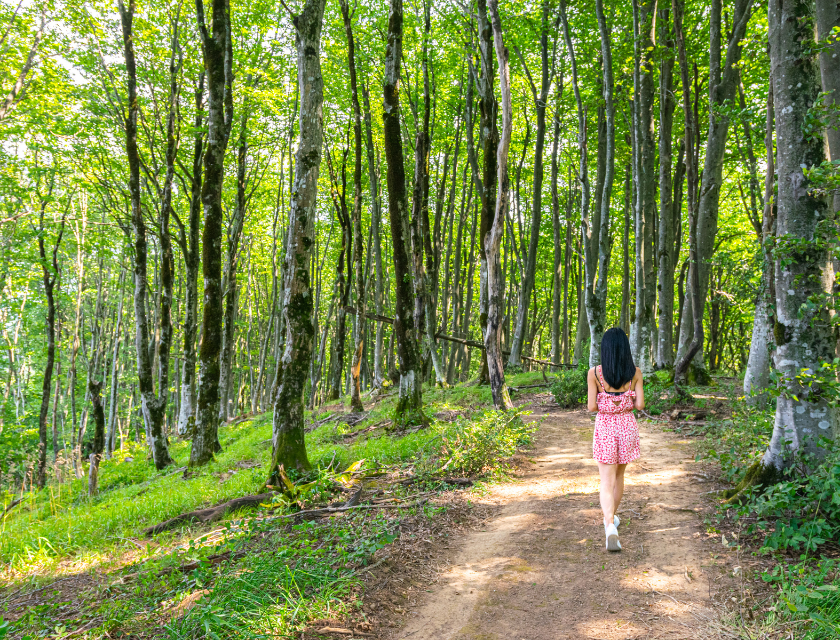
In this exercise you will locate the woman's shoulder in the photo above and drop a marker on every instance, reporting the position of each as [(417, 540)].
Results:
[(638, 375)]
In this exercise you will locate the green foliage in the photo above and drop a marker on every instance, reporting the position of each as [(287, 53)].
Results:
[(569, 387), (478, 444)]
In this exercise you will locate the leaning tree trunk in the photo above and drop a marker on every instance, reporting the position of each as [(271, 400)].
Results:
[(722, 85), (409, 409), (153, 408), (493, 333), (288, 445), (757, 375), (803, 331), (217, 46)]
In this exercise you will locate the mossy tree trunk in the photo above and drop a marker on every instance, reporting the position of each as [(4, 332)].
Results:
[(153, 405), (358, 248), (288, 445), (803, 332), (217, 46), (409, 409)]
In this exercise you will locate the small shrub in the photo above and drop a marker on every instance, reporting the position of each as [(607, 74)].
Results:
[(477, 444), (569, 388)]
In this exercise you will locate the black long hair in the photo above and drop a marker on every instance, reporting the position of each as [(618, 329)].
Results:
[(616, 360)]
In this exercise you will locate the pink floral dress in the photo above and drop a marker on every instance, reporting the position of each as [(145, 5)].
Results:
[(616, 438)]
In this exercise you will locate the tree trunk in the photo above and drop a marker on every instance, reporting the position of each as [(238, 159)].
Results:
[(50, 277), (665, 241), (190, 249), (696, 345), (358, 248), (540, 102), (557, 299), (492, 333), (287, 440), (409, 409), (624, 314), (828, 17), (722, 85), (95, 391), (217, 46), (153, 408), (645, 183), (803, 332), (757, 374), (230, 285), (112, 404), (375, 222), (486, 185)]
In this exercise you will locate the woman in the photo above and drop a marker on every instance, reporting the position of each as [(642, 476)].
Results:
[(615, 390)]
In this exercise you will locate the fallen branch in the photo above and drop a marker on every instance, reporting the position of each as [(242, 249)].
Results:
[(210, 514), (12, 505), (529, 386), (326, 511), (341, 631), (463, 482)]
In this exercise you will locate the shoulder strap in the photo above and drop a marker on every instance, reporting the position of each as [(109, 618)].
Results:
[(600, 372)]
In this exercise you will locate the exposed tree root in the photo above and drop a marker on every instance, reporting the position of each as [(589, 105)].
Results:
[(210, 514), (757, 476)]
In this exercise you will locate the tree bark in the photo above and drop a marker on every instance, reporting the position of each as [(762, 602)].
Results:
[(153, 405), (828, 17), (230, 285), (722, 85), (190, 249), (540, 102), (557, 299), (375, 222), (492, 333), (95, 391), (624, 314), (757, 374), (287, 440), (358, 248), (645, 184), (665, 241), (217, 47), (803, 331), (409, 409), (50, 272)]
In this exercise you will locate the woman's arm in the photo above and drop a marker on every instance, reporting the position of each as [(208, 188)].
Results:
[(592, 396), (639, 389)]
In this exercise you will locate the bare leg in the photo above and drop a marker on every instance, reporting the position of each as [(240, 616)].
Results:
[(618, 490), (608, 489)]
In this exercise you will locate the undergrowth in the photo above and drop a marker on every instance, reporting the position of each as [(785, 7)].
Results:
[(279, 577)]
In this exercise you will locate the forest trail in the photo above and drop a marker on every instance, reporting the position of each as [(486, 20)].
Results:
[(538, 569)]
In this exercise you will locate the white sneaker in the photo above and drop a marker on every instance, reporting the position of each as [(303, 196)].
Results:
[(612, 539)]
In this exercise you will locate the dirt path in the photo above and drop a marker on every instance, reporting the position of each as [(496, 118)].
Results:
[(539, 569)]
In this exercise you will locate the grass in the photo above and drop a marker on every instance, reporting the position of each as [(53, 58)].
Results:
[(287, 576)]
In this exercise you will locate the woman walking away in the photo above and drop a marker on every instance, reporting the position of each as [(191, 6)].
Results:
[(615, 389)]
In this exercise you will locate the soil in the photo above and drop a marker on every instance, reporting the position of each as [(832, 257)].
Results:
[(536, 566)]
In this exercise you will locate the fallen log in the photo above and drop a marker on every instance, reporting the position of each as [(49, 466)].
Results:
[(211, 514)]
